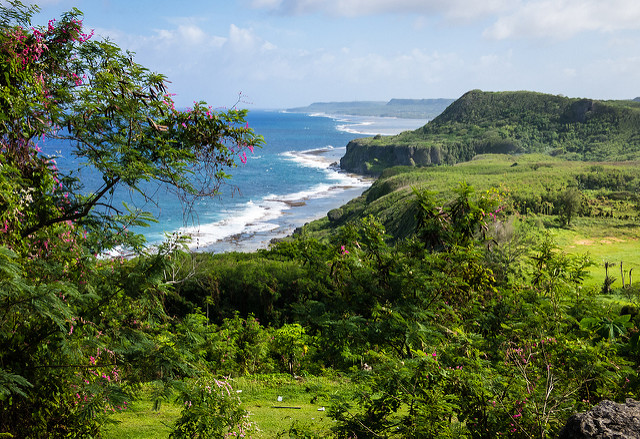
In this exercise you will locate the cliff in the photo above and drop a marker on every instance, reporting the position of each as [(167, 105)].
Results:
[(371, 159), (507, 123)]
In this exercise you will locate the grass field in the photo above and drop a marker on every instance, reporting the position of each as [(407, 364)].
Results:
[(303, 402), (611, 241)]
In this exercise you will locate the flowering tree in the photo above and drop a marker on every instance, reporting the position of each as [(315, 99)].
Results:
[(58, 82), (72, 326)]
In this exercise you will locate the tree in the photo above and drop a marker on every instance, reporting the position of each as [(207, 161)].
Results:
[(570, 203), (58, 82), (77, 331)]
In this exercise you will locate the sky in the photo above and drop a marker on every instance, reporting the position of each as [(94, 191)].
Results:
[(276, 54)]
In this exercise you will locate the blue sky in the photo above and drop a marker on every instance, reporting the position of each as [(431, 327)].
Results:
[(285, 53)]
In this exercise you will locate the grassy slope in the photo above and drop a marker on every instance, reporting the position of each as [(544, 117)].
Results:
[(604, 241), (527, 176)]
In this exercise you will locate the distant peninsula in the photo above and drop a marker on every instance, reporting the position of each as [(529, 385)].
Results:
[(403, 108)]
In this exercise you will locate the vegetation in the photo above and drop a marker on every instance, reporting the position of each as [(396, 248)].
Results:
[(475, 325), (80, 331), (557, 191), (438, 304), (512, 123)]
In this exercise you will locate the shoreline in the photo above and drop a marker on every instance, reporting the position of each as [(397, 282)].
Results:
[(299, 214), (283, 214), (373, 125)]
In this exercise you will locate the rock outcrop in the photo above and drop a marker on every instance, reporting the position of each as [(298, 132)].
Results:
[(607, 420), (367, 158)]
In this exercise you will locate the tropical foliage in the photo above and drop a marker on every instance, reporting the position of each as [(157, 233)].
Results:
[(476, 325), (79, 331), (439, 294)]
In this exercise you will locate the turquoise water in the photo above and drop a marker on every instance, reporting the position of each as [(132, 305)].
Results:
[(291, 180)]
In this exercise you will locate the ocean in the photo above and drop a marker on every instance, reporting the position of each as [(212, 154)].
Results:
[(293, 179)]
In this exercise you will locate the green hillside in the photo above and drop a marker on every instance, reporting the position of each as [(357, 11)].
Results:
[(508, 123), (535, 184), (533, 145)]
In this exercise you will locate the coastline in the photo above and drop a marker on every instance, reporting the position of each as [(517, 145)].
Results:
[(282, 215), (300, 213)]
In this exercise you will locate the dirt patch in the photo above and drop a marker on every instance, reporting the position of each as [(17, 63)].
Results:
[(610, 240), (606, 240)]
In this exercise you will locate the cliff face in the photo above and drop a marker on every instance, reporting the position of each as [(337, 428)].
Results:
[(367, 158)]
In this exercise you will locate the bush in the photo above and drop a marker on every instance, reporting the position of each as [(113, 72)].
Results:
[(211, 409)]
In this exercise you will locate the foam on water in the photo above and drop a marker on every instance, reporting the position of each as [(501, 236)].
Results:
[(253, 220), (386, 126), (252, 224)]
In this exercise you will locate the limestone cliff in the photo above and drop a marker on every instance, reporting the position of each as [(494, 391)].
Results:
[(368, 158)]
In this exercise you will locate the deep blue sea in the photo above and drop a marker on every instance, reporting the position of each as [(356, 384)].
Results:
[(291, 180)]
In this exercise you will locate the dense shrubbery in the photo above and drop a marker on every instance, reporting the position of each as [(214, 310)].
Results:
[(466, 329), (474, 317)]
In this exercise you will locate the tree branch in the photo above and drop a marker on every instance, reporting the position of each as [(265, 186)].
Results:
[(73, 216)]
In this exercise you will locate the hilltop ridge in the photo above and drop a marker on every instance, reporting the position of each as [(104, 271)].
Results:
[(507, 123)]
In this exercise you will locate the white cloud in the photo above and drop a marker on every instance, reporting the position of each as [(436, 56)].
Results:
[(245, 40), (185, 38), (187, 35), (42, 2), (191, 35), (562, 19), (374, 73), (557, 19), (354, 8), (197, 61), (266, 4)]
